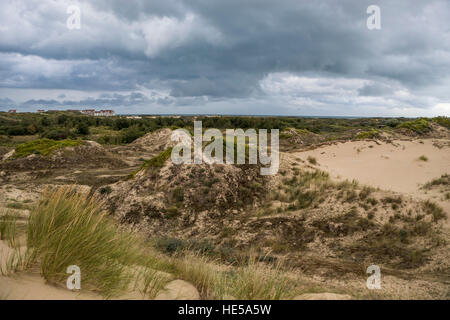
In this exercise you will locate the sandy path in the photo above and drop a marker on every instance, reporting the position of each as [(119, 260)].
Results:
[(388, 166)]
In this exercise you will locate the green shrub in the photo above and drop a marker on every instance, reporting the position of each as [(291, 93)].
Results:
[(419, 126), (43, 147), (443, 121), (392, 123), (56, 134), (368, 134), (114, 139), (105, 190), (159, 160), (82, 129), (130, 134), (423, 158)]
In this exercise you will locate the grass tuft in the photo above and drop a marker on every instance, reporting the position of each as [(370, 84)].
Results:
[(423, 158), (312, 160), (69, 228)]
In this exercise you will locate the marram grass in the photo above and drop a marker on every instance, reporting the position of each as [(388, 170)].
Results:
[(69, 228)]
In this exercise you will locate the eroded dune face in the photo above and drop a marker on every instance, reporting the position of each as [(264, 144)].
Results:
[(392, 166)]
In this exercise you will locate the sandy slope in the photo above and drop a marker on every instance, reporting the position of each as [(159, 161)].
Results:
[(27, 286), (394, 166), (33, 287)]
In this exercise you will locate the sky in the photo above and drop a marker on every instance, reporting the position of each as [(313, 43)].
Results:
[(251, 57)]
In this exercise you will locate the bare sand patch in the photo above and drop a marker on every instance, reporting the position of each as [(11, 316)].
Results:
[(388, 166), (392, 166), (34, 287)]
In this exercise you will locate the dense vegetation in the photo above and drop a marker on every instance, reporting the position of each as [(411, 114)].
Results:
[(121, 130), (43, 147)]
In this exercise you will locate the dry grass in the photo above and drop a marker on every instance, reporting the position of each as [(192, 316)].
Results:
[(70, 228), (252, 281)]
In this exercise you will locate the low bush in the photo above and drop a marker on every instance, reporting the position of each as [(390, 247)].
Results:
[(159, 160), (419, 126), (43, 147)]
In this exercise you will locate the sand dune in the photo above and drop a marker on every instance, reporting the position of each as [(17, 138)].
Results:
[(391, 166)]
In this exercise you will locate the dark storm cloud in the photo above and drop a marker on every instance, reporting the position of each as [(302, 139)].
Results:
[(226, 49), (104, 100), (375, 90)]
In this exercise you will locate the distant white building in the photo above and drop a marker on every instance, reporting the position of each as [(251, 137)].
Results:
[(98, 113), (104, 113), (89, 112)]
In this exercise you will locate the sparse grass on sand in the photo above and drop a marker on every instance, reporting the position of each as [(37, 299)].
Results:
[(444, 180), (423, 158), (43, 147), (312, 160)]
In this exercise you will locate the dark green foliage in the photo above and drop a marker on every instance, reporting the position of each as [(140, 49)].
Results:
[(43, 147), (82, 129), (368, 134), (159, 160), (105, 190), (419, 126), (56, 134), (61, 125), (130, 134), (443, 121)]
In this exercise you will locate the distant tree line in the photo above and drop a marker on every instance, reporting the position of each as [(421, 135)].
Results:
[(63, 125)]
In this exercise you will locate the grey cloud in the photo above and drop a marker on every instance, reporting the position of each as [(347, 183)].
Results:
[(223, 49), (103, 100), (375, 89)]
